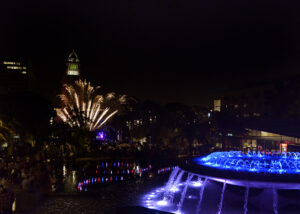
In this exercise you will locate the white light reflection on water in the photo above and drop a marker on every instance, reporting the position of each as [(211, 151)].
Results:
[(64, 171), (74, 176)]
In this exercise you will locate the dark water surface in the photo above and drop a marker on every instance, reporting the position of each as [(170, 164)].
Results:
[(105, 199), (103, 186)]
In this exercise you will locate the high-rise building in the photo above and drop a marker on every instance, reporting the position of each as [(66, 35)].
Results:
[(217, 105), (72, 69), (13, 76), (248, 102), (73, 65), (14, 67)]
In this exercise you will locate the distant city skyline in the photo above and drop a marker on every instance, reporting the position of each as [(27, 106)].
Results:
[(185, 52), (210, 88)]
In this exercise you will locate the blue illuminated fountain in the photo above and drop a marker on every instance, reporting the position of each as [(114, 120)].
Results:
[(185, 189), (277, 163)]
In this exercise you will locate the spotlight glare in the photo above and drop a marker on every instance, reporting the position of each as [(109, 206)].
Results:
[(196, 183), (174, 189), (162, 203)]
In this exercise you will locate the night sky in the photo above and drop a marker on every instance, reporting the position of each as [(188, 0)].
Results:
[(184, 51)]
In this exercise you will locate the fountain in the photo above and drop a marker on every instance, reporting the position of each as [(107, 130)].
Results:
[(187, 183), (222, 198), (246, 200), (201, 196), (207, 184)]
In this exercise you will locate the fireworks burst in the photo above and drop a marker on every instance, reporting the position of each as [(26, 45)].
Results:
[(83, 107)]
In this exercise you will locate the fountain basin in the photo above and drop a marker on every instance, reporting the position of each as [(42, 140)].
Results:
[(263, 177), (207, 178), (271, 163)]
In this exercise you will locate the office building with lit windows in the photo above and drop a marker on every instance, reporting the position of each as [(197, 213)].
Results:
[(15, 67), (247, 102), (13, 76)]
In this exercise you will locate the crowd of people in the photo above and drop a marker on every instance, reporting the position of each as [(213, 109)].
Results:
[(23, 174)]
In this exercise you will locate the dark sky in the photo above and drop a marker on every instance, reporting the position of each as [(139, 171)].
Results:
[(179, 50)]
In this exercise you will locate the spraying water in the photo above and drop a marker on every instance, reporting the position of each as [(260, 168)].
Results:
[(275, 201), (246, 200), (175, 186), (201, 195), (172, 178), (222, 197), (174, 191), (187, 183)]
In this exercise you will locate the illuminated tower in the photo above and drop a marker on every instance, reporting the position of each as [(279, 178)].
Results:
[(73, 65)]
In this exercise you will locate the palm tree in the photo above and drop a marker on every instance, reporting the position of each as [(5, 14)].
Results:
[(6, 136)]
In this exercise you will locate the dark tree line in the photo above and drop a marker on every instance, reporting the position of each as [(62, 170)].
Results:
[(27, 115)]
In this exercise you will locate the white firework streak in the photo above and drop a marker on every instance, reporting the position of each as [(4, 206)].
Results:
[(99, 119), (61, 115), (82, 106), (96, 108), (76, 100), (109, 116), (96, 112), (88, 110)]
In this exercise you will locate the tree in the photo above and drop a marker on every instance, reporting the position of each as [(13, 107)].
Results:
[(28, 115), (174, 128), (226, 123), (6, 136)]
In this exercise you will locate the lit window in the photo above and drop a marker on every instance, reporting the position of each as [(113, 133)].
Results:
[(256, 114), (11, 63), (14, 67), (73, 73), (73, 67)]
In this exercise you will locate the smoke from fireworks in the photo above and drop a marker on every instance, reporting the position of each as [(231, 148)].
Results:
[(83, 107)]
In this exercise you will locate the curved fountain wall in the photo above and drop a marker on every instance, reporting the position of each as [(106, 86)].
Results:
[(185, 186)]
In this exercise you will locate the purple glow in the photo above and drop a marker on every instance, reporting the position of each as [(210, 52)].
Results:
[(100, 136)]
